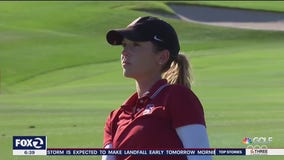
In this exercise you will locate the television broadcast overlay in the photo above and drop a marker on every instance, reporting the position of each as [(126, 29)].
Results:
[(29, 145), (37, 145)]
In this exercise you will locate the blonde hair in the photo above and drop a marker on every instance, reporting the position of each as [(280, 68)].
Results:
[(179, 71)]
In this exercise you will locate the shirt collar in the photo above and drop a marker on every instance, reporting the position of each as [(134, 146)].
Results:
[(154, 90)]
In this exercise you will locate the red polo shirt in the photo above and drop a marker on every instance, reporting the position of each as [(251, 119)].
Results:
[(149, 122)]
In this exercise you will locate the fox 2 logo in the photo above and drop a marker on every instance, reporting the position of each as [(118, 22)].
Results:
[(29, 142)]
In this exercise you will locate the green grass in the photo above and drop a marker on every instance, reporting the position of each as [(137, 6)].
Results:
[(59, 75)]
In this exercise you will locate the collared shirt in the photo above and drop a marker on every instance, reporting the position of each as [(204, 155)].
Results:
[(150, 121)]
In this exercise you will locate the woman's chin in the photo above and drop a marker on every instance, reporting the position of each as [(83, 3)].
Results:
[(127, 74)]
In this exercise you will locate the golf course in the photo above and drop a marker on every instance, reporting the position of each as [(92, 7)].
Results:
[(60, 78)]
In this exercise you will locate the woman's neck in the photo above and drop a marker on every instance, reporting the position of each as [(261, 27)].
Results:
[(145, 85)]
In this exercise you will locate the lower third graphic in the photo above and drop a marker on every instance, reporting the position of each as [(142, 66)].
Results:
[(29, 145)]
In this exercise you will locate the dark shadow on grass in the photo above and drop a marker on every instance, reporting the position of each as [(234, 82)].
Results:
[(57, 69)]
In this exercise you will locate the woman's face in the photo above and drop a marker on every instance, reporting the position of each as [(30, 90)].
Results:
[(139, 60)]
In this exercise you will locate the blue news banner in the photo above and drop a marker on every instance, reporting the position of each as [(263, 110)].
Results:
[(143, 152), (37, 145)]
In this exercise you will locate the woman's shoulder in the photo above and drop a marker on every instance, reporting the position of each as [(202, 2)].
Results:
[(114, 113), (177, 91)]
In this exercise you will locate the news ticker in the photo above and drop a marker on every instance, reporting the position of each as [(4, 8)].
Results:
[(37, 145), (149, 152)]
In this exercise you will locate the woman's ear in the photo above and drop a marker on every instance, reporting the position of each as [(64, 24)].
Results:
[(163, 57)]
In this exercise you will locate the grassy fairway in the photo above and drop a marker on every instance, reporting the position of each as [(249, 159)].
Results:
[(60, 78)]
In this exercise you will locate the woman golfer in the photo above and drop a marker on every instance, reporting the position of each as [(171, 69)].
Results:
[(163, 113)]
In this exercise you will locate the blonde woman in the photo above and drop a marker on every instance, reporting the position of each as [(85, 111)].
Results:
[(163, 113)]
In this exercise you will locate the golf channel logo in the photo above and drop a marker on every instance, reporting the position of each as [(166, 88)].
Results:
[(257, 145), (29, 145)]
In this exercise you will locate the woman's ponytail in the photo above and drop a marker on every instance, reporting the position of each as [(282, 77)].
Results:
[(179, 72)]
